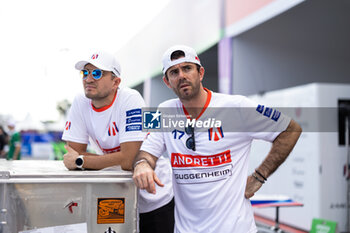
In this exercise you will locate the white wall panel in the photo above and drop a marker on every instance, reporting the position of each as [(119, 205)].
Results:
[(194, 23)]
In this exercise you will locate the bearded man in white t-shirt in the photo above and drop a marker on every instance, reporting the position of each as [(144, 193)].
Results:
[(210, 167), (109, 117)]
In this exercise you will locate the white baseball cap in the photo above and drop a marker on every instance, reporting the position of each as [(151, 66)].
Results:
[(11, 123), (190, 56), (103, 61)]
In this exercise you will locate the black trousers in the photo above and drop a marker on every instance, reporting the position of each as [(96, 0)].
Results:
[(160, 220)]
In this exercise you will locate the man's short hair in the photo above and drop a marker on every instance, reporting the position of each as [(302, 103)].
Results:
[(177, 54)]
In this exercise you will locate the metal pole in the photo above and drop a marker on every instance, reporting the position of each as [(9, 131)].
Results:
[(347, 144), (277, 224)]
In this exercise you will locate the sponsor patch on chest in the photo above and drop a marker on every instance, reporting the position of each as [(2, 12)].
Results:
[(183, 160), (196, 169)]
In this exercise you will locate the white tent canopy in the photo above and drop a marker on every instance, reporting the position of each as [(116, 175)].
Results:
[(29, 123)]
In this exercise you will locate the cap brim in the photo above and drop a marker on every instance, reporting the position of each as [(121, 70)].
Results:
[(81, 64), (178, 61)]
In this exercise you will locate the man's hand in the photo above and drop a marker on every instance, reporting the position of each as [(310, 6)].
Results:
[(253, 185), (145, 177), (70, 157)]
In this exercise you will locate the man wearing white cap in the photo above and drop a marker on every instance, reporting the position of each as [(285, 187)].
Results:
[(210, 167), (109, 117)]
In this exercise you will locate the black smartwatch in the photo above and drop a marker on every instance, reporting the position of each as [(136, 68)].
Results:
[(79, 162)]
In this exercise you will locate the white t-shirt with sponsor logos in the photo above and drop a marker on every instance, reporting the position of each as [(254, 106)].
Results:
[(112, 125), (209, 183)]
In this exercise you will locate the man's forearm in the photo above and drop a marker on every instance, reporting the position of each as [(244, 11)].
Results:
[(96, 162), (124, 157), (281, 148), (150, 159)]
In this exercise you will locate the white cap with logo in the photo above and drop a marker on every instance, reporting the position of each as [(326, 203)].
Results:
[(190, 56), (103, 61)]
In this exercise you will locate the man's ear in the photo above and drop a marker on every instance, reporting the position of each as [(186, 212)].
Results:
[(166, 81), (201, 72), (117, 81)]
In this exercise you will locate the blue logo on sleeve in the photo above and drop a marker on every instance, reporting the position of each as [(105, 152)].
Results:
[(132, 112), (268, 112), (137, 127), (260, 108), (276, 114), (133, 120), (151, 120)]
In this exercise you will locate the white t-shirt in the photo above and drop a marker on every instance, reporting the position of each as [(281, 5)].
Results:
[(112, 125), (209, 183)]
